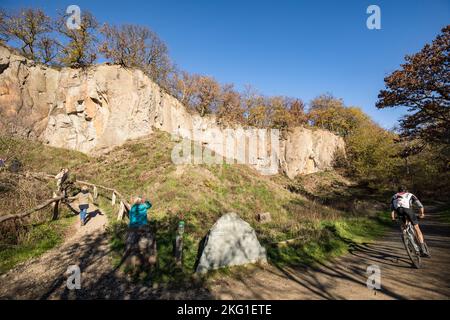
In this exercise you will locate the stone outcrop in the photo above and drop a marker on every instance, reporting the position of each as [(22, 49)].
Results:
[(230, 242), (307, 151), (97, 108)]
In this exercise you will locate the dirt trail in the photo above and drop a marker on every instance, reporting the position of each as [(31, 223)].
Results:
[(344, 278), (87, 247), (34, 278)]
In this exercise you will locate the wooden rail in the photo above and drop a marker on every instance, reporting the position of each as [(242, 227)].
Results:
[(123, 208), (114, 191), (27, 213)]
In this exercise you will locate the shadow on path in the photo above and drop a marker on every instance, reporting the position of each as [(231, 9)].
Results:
[(345, 277)]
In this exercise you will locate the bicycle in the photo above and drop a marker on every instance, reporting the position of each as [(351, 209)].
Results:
[(411, 242)]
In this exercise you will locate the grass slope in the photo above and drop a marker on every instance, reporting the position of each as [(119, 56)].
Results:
[(34, 240), (200, 194)]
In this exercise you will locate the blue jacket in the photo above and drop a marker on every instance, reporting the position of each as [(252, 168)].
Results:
[(138, 214)]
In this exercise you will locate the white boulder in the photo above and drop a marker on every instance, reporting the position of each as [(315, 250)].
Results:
[(230, 242)]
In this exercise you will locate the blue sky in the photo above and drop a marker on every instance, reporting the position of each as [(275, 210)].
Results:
[(294, 48)]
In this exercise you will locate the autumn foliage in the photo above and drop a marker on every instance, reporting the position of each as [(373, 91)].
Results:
[(423, 85)]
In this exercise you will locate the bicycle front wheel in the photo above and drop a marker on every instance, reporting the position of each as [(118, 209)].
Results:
[(412, 253), (427, 250)]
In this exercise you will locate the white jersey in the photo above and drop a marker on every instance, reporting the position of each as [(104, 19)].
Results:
[(404, 200)]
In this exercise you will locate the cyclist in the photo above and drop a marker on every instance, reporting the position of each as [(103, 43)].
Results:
[(401, 204)]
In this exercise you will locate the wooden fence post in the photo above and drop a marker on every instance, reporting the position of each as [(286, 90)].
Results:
[(55, 207), (179, 244), (121, 211), (125, 207)]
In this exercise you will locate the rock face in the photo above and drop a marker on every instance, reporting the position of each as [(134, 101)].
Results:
[(307, 151), (230, 242), (97, 108)]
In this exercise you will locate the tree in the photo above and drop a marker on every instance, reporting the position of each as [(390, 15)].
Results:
[(230, 109), (199, 93), (271, 112), (326, 112), (423, 85), (80, 50), (4, 35), (331, 114), (182, 88), (372, 154), (278, 113), (258, 112), (255, 107), (257, 116), (31, 28), (429, 171), (136, 46), (48, 49), (206, 95), (297, 113)]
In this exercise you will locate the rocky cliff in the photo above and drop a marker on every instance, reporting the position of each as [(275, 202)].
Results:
[(94, 109)]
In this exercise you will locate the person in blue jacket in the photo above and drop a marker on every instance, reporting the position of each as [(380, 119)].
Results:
[(138, 212)]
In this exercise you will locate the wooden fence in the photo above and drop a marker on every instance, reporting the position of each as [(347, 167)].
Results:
[(124, 206)]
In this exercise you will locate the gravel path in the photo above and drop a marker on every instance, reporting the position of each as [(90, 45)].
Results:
[(345, 278)]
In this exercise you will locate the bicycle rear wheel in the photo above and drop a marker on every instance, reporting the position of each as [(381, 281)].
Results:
[(413, 255)]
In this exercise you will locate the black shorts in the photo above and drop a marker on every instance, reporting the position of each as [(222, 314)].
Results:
[(408, 213)]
